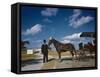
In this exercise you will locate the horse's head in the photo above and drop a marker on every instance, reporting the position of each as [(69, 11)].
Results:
[(50, 41)]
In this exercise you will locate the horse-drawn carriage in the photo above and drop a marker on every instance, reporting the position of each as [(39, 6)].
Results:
[(83, 50), (89, 48)]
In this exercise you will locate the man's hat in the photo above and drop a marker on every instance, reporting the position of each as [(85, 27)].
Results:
[(44, 41)]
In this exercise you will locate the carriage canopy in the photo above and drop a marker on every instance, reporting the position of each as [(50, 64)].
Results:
[(88, 34)]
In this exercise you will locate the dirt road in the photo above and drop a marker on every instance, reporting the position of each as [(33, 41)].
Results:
[(54, 63)]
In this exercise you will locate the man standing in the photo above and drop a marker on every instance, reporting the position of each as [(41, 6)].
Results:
[(44, 49)]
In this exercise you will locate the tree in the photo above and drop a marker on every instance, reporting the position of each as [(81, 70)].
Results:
[(23, 43)]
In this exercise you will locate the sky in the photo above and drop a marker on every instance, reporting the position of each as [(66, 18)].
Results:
[(63, 24)]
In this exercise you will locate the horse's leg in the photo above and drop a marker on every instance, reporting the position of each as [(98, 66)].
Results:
[(72, 55), (75, 54), (59, 53)]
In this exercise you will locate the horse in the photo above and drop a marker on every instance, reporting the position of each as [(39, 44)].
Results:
[(60, 47)]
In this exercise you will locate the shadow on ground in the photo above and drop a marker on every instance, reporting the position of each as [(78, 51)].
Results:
[(33, 61)]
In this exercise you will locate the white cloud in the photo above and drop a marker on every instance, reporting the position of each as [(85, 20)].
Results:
[(71, 38), (66, 41), (76, 13), (46, 20), (33, 30), (49, 12), (83, 20), (76, 20), (75, 36)]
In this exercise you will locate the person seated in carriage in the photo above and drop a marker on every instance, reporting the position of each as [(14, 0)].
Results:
[(80, 45)]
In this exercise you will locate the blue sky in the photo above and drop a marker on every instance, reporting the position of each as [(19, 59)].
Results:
[(65, 25)]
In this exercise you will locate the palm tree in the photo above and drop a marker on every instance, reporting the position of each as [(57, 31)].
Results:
[(23, 43)]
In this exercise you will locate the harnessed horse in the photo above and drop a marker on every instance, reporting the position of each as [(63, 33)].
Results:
[(60, 47)]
